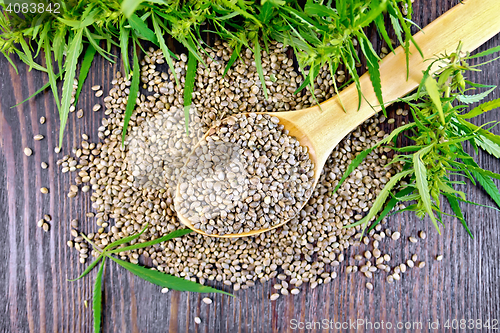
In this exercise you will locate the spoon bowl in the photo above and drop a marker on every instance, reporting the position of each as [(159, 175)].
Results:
[(321, 128)]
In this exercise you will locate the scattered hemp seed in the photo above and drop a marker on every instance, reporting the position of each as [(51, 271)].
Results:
[(38, 137), (47, 217), (73, 188), (164, 290), (57, 150), (294, 291), (96, 87), (439, 257), (369, 286), (99, 93), (44, 165), (207, 300), (42, 120), (395, 235), (197, 320), (414, 258), (274, 297), (79, 113), (40, 223), (96, 107), (28, 151), (412, 239), (45, 227), (421, 264), (422, 234), (44, 190), (69, 243)]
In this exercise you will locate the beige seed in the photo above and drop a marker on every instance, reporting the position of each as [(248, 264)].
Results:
[(396, 276), (422, 234), (387, 257), (69, 243), (207, 300), (44, 165), (57, 150), (164, 290), (412, 239), (79, 113), (421, 264), (197, 320), (38, 137), (42, 120), (414, 257), (95, 88), (96, 107), (71, 194), (294, 291), (28, 151), (410, 263), (46, 227), (274, 297), (391, 121), (99, 93), (439, 257), (395, 235), (47, 217), (40, 223), (369, 286), (44, 190), (73, 188), (390, 279)]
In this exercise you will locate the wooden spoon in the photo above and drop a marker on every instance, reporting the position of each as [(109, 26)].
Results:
[(472, 22)]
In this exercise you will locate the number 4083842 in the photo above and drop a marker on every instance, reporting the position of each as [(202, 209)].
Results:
[(32, 8), (462, 324)]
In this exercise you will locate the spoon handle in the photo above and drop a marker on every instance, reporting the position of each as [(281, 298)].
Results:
[(473, 22)]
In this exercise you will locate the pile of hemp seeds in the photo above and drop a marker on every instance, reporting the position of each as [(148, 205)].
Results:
[(131, 186)]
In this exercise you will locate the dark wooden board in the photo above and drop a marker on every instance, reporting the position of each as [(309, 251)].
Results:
[(35, 266)]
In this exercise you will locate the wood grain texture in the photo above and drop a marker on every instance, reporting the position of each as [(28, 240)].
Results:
[(34, 265)]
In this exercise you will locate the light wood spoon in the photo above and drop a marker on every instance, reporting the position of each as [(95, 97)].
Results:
[(473, 23)]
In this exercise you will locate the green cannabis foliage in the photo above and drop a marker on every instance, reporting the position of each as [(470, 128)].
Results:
[(436, 161), (153, 276), (320, 32)]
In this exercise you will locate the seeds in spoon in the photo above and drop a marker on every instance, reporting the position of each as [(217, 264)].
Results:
[(247, 174)]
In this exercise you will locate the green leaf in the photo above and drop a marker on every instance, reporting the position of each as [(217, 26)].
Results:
[(166, 280), (125, 240), (433, 91), (97, 299), (192, 66), (452, 200), (469, 99), (129, 7), (138, 25), (132, 96), (233, 58), (89, 268), (422, 184), (75, 48), (381, 198), (45, 86), (487, 52), (266, 12), (164, 48), (478, 110), (390, 205), (173, 234), (373, 69), (362, 155), (88, 58), (124, 35), (50, 71), (258, 65)]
